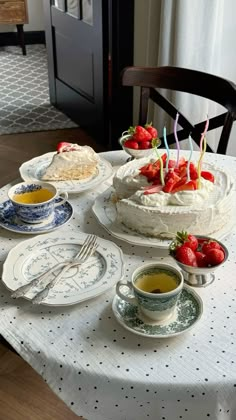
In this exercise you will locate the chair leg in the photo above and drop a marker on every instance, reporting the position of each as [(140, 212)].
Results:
[(20, 31)]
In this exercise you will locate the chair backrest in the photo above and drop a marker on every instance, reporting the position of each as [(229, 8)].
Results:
[(194, 82)]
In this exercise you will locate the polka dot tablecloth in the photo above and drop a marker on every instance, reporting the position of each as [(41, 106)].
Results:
[(104, 372)]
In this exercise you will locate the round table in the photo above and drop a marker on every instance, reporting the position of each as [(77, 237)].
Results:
[(103, 371)]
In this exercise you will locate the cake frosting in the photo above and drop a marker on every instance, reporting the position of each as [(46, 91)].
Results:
[(71, 162), (161, 214)]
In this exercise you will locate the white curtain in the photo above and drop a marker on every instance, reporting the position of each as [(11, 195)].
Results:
[(195, 34)]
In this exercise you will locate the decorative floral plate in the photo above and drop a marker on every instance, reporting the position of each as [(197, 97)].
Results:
[(188, 311), (8, 219), (33, 170), (104, 209), (33, 257)]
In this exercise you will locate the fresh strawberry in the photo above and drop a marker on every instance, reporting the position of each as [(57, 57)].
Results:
[(187, 239), (186, 255), (215, 256), (208, 175), (152, 130), (172, 175), (182, 162), (191, 242), (163, 158), (139, 133), (182, 181), (150, 171), (201, 259), (189, 186), (64, 146), (131, 144), (201, 242), (184, 240), (208, 245), (171, 164), (172, 180), (182, 172), (145, 144), (193, 171)]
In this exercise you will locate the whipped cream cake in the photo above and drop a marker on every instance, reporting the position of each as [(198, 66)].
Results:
[(146, 207), (71, 162)]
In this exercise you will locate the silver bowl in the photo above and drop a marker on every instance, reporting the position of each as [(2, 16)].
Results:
[(201, 276), (135, 153)]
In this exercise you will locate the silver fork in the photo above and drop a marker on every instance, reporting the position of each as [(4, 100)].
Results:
[(39, 297), (88, 244)]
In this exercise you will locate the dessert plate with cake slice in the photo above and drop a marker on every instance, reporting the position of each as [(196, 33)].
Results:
[(68, 171)]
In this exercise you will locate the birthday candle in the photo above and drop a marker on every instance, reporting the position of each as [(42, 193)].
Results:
[(200, 162), (204, 134), (167, 148), (161, 168), (176, 139), (190, 156)]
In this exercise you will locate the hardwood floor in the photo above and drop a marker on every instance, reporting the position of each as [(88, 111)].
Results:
[(23, 393)]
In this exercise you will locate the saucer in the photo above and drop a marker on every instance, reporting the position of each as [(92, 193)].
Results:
[(10, 221), (188, 311)]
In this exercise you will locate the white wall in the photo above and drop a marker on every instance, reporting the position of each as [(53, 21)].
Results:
[(36, 23), (146, 41)]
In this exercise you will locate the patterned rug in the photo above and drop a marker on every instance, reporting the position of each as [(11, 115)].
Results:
[(24, 92)]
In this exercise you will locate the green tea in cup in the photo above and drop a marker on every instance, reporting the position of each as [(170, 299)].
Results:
[(155, 288), (35, 201), (33, 197), (161, 281)]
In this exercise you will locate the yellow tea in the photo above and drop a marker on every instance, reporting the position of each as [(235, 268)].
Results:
[(33, 197), (157, 282)]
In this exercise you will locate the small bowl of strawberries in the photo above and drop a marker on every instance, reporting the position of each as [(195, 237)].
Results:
[(198, 257), (139, 141)]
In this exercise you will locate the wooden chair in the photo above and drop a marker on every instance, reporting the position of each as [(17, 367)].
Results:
[(194, 82)]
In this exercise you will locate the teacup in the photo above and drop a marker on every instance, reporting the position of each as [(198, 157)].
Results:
[(34, 202), (155, 288)]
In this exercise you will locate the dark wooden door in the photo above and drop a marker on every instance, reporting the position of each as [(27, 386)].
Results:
[(83, 42)]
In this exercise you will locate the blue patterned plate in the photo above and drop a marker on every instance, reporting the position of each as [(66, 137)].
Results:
[(33, 257), (10, 221), (188, 312)]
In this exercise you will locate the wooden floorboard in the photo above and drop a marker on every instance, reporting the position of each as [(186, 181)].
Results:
[(23, 393)]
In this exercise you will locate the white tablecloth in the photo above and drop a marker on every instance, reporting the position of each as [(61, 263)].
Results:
[(103, 371)]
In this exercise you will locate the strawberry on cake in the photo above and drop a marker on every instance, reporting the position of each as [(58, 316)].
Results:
[(160, 204), (71, 162)]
